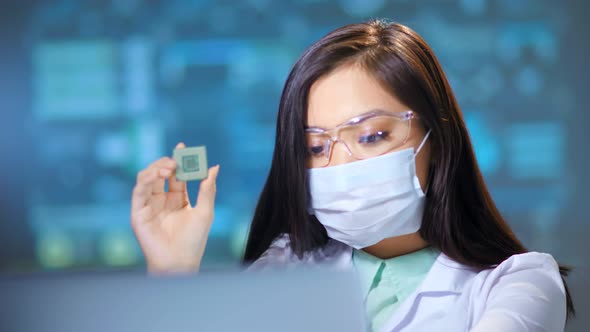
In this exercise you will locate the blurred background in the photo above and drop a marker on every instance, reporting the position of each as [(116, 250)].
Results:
[(93, 91)]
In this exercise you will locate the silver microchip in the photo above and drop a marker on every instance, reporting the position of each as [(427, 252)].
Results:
[(191, 163)]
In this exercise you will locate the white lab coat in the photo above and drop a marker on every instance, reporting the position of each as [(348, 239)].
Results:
[(523, 293)]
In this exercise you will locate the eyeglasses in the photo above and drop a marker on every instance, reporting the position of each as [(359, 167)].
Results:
[(365, 136)]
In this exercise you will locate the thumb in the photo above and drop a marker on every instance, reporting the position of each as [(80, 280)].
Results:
[(208, 189)]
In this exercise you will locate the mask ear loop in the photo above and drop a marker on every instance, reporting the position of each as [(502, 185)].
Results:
[(423, 142), (418, 151)]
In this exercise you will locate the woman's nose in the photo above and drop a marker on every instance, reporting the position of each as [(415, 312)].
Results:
[(339, 155)]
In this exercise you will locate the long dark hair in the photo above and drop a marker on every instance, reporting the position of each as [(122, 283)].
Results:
[(460, 217)]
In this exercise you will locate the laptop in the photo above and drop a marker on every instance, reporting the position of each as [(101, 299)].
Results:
[(313, 299)]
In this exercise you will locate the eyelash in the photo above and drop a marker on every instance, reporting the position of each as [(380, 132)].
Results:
[(380, 135), (376, 137)]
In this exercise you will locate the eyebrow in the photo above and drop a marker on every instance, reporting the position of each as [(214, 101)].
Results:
[(358, 118)]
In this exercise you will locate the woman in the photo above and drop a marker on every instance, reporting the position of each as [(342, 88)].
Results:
[(373, 168)]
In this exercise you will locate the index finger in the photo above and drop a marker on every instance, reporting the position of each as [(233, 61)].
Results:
[(146, 181), (173, 184)]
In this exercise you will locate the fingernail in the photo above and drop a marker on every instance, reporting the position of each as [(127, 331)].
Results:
[(165, 172)]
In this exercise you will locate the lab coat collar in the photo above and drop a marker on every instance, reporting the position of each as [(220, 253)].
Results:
[(446, 275), (445, 280)]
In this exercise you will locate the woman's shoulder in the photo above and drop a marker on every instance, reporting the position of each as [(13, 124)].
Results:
[(526, 287), (539, 266), (518, 265), (280, 253)]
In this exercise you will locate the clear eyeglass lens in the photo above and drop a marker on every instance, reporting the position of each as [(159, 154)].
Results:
[(370, 138)]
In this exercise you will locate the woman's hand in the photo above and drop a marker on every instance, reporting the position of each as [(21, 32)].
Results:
[(172, 234)]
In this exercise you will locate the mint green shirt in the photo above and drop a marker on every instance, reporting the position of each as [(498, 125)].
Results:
[(386, 283)]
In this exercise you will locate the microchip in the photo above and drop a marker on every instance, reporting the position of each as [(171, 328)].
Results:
[(191, 163)]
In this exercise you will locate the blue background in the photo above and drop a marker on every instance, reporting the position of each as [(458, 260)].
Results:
[(93, 91)]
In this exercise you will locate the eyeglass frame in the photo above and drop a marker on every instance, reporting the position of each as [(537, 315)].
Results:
[(404, 116)]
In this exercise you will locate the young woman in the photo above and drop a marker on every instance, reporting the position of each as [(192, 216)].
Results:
[(373, 168)]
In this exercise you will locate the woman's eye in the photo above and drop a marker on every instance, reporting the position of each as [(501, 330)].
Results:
[(373, 138), (316, 150)]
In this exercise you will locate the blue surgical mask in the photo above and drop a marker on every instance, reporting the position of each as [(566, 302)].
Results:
[(363, 202)]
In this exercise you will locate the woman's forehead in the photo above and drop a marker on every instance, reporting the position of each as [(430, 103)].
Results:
[(347, 92)]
